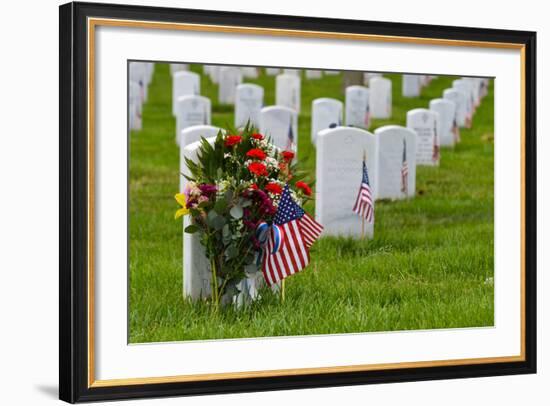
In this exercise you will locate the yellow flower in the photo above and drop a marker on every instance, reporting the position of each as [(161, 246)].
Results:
[(180, 198)]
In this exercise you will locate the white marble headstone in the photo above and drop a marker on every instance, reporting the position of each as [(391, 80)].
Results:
[(339, 172), (249, 101), (195, 132), (184, 83), (189, 136), (149, 71), (396, 149), (475, 84), (281, 124), (424, 123), (380, 100), (314, 74), (295, 72), (447, 113), (250, 72), (229, 78), (213, 71), (272, 71), (367, 76), (411, 85), (287, 91), (192, 110), (325, 113), (196, 269), (332, 72), (484, 87), (137, 72), (135, 106), (178, 67), (459, 100), (357, 107), (465, 88)]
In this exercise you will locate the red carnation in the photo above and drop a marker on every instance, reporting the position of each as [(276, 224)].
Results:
[(258, 169), (288, 155), (257, 136), (232, 140), (256, 153), (254, 186), (274, 188), (305, 187)]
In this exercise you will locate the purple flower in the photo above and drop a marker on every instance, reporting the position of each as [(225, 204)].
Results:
[(249, 224), (207, 189)]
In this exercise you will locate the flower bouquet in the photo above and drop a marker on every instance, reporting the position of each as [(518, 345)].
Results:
[(233, 194)]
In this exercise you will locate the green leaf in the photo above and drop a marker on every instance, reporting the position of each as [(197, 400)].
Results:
[(192, 228), (211, 217), (226, 232), (229, 196), (236, 212), (231, 251), (220, 206), (218, 223)]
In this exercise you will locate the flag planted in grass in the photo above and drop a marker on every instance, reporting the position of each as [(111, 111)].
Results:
[(364, 205), (404, 170)]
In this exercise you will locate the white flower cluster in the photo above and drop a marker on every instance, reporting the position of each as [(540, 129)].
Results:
[(224, 185), (271, 163)]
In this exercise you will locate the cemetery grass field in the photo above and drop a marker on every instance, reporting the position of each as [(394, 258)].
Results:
[(429, 266)]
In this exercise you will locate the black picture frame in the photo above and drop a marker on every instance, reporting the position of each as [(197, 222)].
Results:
[(73, 254)]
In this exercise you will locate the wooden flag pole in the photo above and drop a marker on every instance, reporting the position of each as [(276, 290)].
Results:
[(283, 290), (363, 217)]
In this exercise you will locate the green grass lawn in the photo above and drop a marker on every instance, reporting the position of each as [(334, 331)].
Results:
[(429, 266)]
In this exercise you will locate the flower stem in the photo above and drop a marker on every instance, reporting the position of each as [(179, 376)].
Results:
[(214, 283)]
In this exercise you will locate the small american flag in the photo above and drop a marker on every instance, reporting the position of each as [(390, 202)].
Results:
[(404, 170), (293, 254), (290, 137), (456, 131), (311, 230), (367, 116), (364, 205), (141, 90)]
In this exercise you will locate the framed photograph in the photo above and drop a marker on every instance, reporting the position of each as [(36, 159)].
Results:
[(260, 202)]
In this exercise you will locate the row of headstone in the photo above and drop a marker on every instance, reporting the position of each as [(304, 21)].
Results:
[(213, 71), (329, 113), (140, 75), (280, 123), (390, 157), (434, 127), (439, 125), (391, 153)]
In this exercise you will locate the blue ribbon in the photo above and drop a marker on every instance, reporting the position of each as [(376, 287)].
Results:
[(263, 232)]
